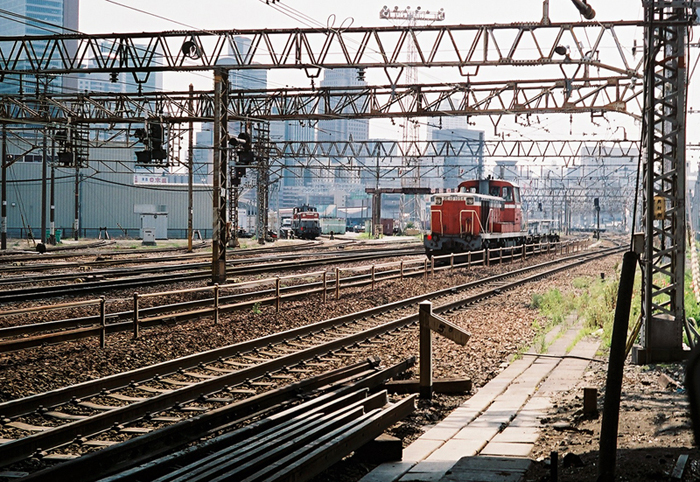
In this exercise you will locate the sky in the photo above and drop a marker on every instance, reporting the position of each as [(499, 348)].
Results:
[(105, 16)]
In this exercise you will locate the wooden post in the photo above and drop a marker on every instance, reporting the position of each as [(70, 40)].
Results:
[(425, 269), (216, 303), (426, 350), (325, 286), (277, 295), (487, 261), (500, 255), (372, 277), (103, 321), (432, 267), (590, 400), (452, 262), (337, 284), (469, 259), (401, 269), (136, 315)]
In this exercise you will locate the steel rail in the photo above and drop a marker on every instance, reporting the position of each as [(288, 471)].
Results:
[(42, 292), (117, 458), (252, 257), (19, 449), (164, 314), (93, 387)]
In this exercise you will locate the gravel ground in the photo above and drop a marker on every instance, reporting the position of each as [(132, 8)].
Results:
[(499, 327), (654, 429)]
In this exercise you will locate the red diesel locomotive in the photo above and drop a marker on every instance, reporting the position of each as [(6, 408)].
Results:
[(482, 214)]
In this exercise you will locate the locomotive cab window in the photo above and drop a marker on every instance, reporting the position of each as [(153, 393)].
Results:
[(508, 193), (516, 192), (494, 191)]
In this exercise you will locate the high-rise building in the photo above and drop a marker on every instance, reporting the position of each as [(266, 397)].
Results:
[(343, 129), (453, 170), (39, 17), (247, 79)]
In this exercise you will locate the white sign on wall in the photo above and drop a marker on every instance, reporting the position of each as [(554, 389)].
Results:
[(149, 179)]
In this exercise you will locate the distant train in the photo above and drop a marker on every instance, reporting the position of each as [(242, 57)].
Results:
[(305, 222), (482, 214)]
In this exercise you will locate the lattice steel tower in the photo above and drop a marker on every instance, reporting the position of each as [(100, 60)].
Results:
[(663, 148), (410, 177)]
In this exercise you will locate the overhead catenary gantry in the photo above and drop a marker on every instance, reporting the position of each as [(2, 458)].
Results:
[(466, 47), (580, 67)]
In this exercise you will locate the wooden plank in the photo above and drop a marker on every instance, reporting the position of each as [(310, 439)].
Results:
[(449, 330)]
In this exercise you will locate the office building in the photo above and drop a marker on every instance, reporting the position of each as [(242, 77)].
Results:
[(46, 17)]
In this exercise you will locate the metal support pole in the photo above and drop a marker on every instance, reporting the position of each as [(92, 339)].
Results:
[(425, 269), (136, 315), (190, 174), (325, 286), (432, 267), (277, 295), (52, 196), (426, 350), (221, 86), (103, 321), (452, 262), (4, 187), (216, 303), (401, 269), (44, 175), (76, 206), (372, 269)]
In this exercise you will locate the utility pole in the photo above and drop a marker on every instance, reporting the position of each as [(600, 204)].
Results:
[(44, 164), (52, 212), (263, 160), (221, 87), (4, 187), (190, 174), (76, 219)]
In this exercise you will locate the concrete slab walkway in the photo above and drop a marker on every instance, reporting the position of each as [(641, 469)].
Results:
[(491, 435)]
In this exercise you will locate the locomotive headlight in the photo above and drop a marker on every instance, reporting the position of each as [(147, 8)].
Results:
[(470, 201)]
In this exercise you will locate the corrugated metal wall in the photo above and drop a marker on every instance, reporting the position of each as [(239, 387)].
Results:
[(107, 198)]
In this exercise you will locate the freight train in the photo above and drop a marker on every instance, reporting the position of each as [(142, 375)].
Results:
[(305, 222), (481, 214)]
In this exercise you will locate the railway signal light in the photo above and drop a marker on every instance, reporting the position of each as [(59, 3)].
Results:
[(71, 151), (596, 204), (245, 154), (153, 138), (659, 207)]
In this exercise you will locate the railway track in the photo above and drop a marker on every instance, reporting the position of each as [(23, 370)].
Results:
[(21, 262), (67, 422), (22, 336), (98, 282)]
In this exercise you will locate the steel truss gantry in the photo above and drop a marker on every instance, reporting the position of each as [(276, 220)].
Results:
[(494, 98), (466, 47), (667, 23), (567, 151), (589, 77)]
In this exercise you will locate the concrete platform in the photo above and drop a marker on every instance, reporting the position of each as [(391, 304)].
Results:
[(490, 437)]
